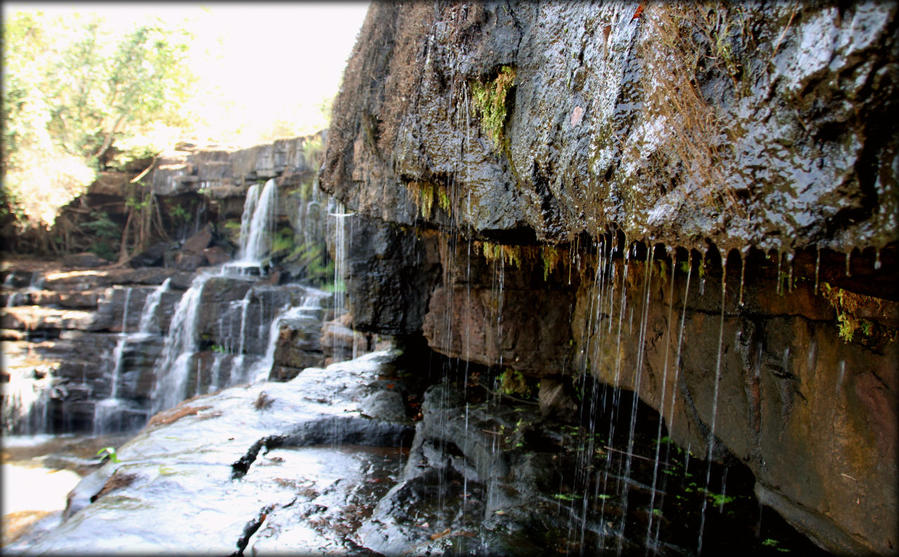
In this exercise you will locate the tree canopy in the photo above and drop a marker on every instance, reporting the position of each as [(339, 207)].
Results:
[(76, 91)]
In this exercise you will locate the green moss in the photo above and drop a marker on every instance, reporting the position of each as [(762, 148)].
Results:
[(512, 382), (551, 258), (490, 103), (847, 305), (283, 241), (443, 200), (494, 252)]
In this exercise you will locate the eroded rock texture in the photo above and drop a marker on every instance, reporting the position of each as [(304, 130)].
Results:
[(532, 161)]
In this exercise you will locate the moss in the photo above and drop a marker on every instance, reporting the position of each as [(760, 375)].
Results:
[(848, 305), (425, 193), (494, 252), (443, 200), (283, 241), (490, 101), (512, 382), (551, 258)]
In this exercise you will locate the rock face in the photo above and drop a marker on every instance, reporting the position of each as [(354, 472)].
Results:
[(694, 204)]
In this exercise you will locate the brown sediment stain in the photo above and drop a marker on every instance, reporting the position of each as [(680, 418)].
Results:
[(170, 416)]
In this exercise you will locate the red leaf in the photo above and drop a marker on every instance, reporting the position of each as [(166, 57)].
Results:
[(638, 13)]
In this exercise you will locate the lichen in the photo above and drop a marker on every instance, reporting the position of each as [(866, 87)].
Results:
[(491, 105)]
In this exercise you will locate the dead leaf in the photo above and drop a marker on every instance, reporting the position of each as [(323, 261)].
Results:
[(439, 535)]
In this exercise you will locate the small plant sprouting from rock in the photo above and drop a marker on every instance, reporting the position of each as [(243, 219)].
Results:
[(108, 453), (847, 306), (512, 382), (490, 101)]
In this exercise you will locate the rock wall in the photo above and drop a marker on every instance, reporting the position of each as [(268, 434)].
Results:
[(694, 203)]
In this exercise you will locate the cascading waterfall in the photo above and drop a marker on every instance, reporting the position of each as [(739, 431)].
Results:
[(173, 367), (311, 303), (148, 322), (107, 415), (178, 357), (110, 413), (256, 231)]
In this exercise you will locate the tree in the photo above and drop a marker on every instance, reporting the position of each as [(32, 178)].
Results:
[(75, 87)]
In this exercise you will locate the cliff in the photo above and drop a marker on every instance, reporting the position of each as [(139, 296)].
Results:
[(694, 203)]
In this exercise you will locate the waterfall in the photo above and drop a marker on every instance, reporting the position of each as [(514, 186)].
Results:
[(110, 413), (107, 416), (148, 315), (172, 369), (178, 356), (311, 304), (257, 223)]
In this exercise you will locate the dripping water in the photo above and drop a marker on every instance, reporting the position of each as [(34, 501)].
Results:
[(638, 375), (655, 471), (711, 437), (817, 266)]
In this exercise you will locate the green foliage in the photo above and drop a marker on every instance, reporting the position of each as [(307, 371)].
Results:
[(312, 151), (179, 214), (774, 544), (106, 234), (75, 87), (110, 453), (847, 306), (283, 242), (490, 103), (720, 499)]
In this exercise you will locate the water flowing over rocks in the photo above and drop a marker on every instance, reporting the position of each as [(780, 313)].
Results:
[(99, 348), (693, 203), (272, 466)]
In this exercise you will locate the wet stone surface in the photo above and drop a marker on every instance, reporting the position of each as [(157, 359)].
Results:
[(174, 485)]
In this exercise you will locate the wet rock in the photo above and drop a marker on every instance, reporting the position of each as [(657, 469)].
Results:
[(216, 255), (556, 399), (390, 273), (600, 142)]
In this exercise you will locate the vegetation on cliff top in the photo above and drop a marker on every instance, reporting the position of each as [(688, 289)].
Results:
[(79, 96)]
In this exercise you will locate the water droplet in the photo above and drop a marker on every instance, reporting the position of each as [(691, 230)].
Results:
[(817, 266)]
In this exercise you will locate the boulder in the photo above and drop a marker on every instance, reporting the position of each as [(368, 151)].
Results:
[(84, 260)]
